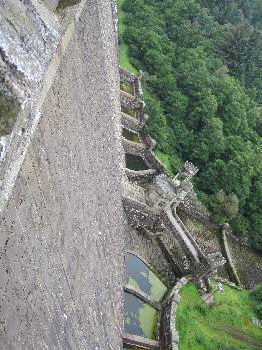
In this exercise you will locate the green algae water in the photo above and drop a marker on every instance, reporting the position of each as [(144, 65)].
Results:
[(135, 162), (140, 318), (141, 277), (130, 135)]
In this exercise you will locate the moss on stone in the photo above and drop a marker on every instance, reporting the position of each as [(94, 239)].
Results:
[(9, 108)]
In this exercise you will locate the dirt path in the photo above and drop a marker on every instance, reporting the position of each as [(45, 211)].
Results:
[(243, 337)]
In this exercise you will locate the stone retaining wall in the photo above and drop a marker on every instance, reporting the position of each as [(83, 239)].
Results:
[(247, 262), (169, 334), (147, 248), (230, 265)]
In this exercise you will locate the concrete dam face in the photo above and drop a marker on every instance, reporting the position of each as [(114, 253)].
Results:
[(62, 227)]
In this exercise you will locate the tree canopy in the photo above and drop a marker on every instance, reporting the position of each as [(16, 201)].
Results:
[(203, 81)]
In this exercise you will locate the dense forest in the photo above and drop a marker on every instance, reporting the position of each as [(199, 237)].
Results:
[(202, 63)]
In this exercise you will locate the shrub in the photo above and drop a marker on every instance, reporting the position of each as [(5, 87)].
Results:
[(257, 299)]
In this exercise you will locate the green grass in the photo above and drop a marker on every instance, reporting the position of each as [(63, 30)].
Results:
[(123, 49), (165, 160), (225, 326)]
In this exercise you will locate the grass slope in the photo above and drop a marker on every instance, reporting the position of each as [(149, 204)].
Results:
[(123, 49), (226, 326)]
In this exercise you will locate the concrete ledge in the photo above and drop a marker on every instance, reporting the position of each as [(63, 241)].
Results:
[(130, 147), (230, 265), (130, 101), (132, 174), (131, 123), (144, 343), (143, 296)]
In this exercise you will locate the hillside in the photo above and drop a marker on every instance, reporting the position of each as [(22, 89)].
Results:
[(202, 87), (226, 326)]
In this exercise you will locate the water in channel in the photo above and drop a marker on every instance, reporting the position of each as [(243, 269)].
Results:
[(135, 162), (141, 277), (140, 318)]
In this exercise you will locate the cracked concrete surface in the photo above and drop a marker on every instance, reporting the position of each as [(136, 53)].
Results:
[(62, 231)]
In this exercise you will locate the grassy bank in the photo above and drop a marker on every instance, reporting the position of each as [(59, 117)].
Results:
[(226, 326)]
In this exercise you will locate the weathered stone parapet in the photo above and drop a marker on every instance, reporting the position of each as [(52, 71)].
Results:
[(186, 243), (133, 191), (192, 207), (169, 334), (139, 214), (129, 122), (140, 174), (133, 147), (61, 209), (144, 343), (126, 76), (187, 172), (226, 250), (142, 296), (131, 101), (132, 80)]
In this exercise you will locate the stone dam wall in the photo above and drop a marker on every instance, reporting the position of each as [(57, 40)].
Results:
[(62, 223)]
